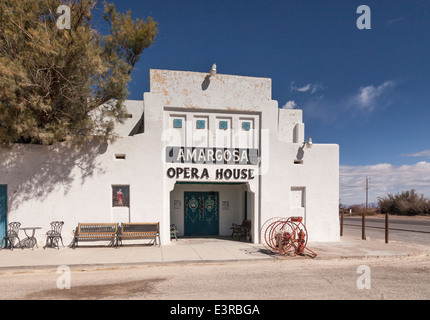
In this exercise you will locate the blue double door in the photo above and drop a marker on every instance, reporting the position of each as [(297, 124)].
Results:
[(3, 210), (201, 213)]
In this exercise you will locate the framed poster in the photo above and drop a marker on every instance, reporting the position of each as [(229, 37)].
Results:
[(225, 205), (177, 204), (120, 196)]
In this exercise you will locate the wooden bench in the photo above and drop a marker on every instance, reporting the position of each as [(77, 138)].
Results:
[(139, 231), (244, 229), (96, 232)]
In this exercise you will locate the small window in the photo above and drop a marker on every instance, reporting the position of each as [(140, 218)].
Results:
[(120, 156), (298, 161), (223, 125), (246, 125), (177, 123), (200, 124)]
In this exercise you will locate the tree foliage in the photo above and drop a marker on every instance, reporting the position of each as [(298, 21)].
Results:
[(405, 203), (65, 84)]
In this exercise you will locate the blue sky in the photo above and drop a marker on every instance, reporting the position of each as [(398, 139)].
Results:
[(366, 90)]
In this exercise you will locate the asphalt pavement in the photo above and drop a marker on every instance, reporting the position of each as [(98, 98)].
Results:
[(396, 224), (197, 250)]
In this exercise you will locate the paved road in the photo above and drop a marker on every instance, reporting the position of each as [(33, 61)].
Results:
[(376, 278), (394, 224), (403, 230)]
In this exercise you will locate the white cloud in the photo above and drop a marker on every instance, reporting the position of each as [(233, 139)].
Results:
[(392, 21), (304, 88), (384, 178), (311, 87), (317, 87), (368, 97), (289, 105), (424, 153)]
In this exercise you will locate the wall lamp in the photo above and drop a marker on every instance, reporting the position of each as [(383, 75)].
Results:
[(308, 143), (212, 73)]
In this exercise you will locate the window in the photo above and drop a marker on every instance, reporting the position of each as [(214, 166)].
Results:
[(177, 123), (223, 125), (246, 125), (200, 124)]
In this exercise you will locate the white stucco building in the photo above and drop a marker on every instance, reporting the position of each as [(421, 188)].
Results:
[(200, 151)]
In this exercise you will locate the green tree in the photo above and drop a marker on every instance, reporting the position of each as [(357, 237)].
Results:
[(65, 84)]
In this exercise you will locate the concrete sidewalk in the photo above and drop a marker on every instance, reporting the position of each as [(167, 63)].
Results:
[(193, 250)]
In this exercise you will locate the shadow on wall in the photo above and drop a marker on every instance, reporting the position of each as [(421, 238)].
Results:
[(206, 82), (34, 171)]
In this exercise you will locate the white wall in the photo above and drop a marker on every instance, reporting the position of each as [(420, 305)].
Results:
[(75, 185), (318, 175)]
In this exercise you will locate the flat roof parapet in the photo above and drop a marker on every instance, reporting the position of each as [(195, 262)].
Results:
[(198, 89)]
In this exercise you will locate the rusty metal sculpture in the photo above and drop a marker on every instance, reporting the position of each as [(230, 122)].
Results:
[(285, 236)]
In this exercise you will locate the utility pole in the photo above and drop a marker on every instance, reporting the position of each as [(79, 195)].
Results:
[(367, 192), (363, 218)]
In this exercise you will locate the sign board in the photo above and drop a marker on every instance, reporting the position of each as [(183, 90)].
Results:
[(230, 156)]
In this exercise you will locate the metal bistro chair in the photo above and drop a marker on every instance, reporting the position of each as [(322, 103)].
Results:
[(11, 235), (173, 231), (54, 235)]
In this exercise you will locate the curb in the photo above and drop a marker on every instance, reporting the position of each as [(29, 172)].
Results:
[(131, 264), (350, 250)]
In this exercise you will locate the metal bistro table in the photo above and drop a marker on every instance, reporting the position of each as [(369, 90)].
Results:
[(30, 241)]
